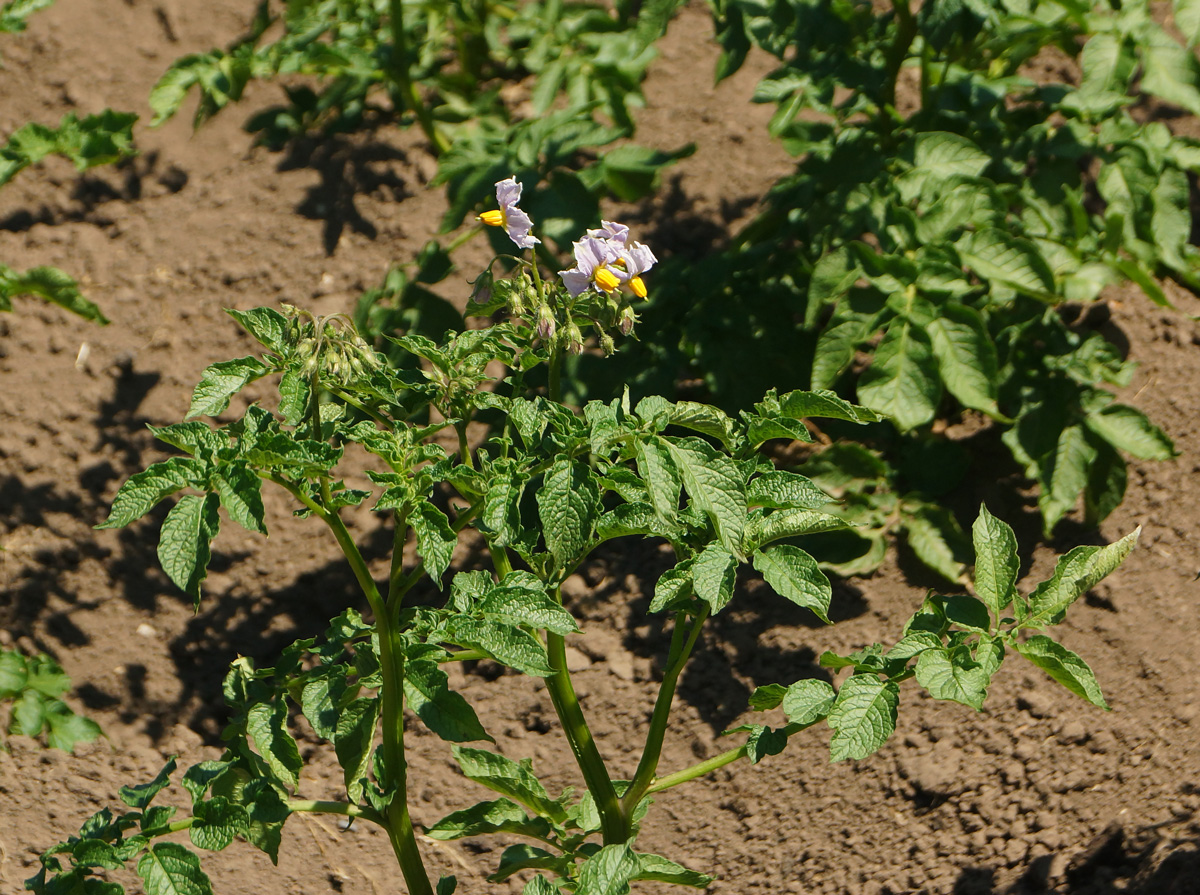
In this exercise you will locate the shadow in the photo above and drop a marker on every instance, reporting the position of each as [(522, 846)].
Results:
[(731, 658), (670, 222), (347, 168), (1117, 860), (125, 181)]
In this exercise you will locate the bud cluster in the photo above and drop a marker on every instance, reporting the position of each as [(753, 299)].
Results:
[(330, 345)]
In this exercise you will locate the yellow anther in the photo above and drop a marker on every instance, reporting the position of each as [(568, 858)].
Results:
[(493, 218), (606, 279), (637, 287)]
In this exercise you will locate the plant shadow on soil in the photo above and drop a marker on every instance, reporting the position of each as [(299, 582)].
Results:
[(1130, 862)]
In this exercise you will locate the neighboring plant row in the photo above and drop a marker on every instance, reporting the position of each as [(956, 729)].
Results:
[(954, 211)]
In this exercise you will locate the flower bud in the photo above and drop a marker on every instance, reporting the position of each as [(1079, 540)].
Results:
[(481, 293), (545, 325), (627, 320), (573, 339), (607, 345)]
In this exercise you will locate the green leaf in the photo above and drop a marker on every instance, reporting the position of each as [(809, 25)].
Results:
[(939, 156), (49, 283), (902, 382), (933, 535), (221, 381), (1128, 429), (446, 713), (28, 715), (521, 599), (789, 524), (953, 674), (714, 575), (1063, 474), (1074, 575), (996, 561), (656, 868), (673, 587), (539, 885), (1106, 485), (138, 797), (863, 717), (267, 325), (786, 490), (661, 476), (716, 484), (1063, 666), (808, 701), (509, 778), (608, 871), (792, 573), (319, 700), (706, 419), (184, 541), (1010, 260), (568, 507), (484, 818), (966, 356), (144, 490), (526, 857), (436, 539), (762, 742), (12, 673), (267, 723), (507, 644), (1187, 19), (218, 822), (170, 869), (241, 496), (353, 740), (1169, 71), (766, 698), (825, 404)]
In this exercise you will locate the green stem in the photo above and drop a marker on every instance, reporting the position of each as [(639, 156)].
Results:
[(396, 574), (677, 658), (554, 389), (712, 764), (464, 449), (405, 85), (613, 825), (906, 31), (314, 406)]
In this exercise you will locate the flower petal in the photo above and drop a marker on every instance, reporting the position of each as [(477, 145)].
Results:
[(508, 192), (576, 280)]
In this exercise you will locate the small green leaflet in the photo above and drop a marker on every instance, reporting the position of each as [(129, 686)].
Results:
[(863, 717), (785, 490), (222, 381), (527, 857), (435, 538), (717, 486), (793, 574), (953, 674), (966, 356), (509, 778), (446, 713), (661, 477), (826, 404), (568, 507), (499, 816), (659, 869), (608, 871), (241, 496), (140, 796), (143, 491), (808, 701), (218, 822), (267, 325), (996, 561), (1128, 429), (267, 723), (184, 542), (1063, 666), (714, 575), (168, 868), (352, 742), (1074, 575), (789, 524), (902, 382)]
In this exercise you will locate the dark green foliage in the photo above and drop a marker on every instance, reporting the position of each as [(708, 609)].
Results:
[(35, 687)]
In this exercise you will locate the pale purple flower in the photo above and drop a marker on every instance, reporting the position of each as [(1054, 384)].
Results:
[(611, 231), (514, 221), (595, 265)]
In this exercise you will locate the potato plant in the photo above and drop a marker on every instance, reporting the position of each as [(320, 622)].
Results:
[(545, 486), (971, 177)]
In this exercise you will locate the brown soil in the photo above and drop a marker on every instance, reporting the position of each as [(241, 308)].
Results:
[(1037, 793)]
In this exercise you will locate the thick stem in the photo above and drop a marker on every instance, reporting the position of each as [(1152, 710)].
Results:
[(405, 85), (677, 658), (613, 825), (554, 391)]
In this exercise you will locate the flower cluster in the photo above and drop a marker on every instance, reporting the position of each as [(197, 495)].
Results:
[(606, 263), (605, 260)]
